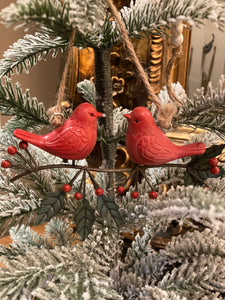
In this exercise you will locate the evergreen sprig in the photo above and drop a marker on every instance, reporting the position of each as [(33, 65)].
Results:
[(184, 204), (205, 111), (15, 210), (56, 274), (26, 52), (88, 91), (41, 12), (14, 102), (203, 274), (151, 17)]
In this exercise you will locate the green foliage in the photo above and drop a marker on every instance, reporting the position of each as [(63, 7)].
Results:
[(87, 14), (60, 273), (27, 111), (24, 237), (15, 210), (205, 111), (199, 166), (50, 206), (59, 232), (187, 204), (88, 91), (46, 12), (84, 218), (34, 48), (151, 17), (108, 209), (155, 293)]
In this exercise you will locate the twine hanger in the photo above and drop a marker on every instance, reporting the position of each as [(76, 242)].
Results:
[(169, 110), (55, 112)]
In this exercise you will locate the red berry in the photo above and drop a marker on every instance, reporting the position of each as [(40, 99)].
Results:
[(99, 192), (215, 170), (23, 145), (153, 195), (213, 162), (12, 150), (6, 164), (206, 188), (134, 195), (78, 196), (120, 189), (66, 188)]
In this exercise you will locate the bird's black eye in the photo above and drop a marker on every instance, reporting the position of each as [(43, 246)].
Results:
[(92, 115), (136, 121)]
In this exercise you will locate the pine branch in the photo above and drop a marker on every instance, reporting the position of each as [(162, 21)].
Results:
[(60, 232), (87, 14), (155, 293), (87, 89), (204, 274), (192, 244), (26, 52), (64, 272), (205, 111), (150, 18), (45, 12), (17, 211), (25, 238), (14, 102), (184, 204)]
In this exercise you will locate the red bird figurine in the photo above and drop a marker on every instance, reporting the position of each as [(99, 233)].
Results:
[(148, 145), (74, 139)]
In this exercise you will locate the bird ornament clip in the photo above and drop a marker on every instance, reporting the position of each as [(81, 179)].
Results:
[(147, 145), (74, 139)]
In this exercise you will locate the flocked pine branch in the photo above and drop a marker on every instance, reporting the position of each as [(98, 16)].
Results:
[(64, 272), (192, 244), (187, 203), (25, 53), (155, 293), (140, 17), (51, 13), (24, 237), (59, 232), (163, 13), (83, 15), (14, 102), (203, 274), (88, 91), (16, 210), (206, 111)]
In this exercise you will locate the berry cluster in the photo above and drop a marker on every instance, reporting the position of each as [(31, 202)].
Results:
[(12, 151), (135, 194), (78, 196), (213, 163)]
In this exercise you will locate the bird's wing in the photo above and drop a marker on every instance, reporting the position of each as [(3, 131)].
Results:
[(72, 138), (153, 149)]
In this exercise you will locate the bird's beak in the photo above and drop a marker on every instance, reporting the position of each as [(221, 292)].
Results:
[(99, 115), (127, 116)]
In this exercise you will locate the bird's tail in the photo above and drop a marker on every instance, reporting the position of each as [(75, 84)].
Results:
[(28, 137), (192, 149)]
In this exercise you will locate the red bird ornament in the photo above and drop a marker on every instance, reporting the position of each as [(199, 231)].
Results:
[(74, 139), (147, 145)]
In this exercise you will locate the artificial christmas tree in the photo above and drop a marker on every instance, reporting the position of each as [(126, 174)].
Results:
[(178, 206)]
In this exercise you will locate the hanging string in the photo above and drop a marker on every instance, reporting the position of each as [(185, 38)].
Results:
[(165, 114), (176, 52), (55, 112), (176, 44)]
